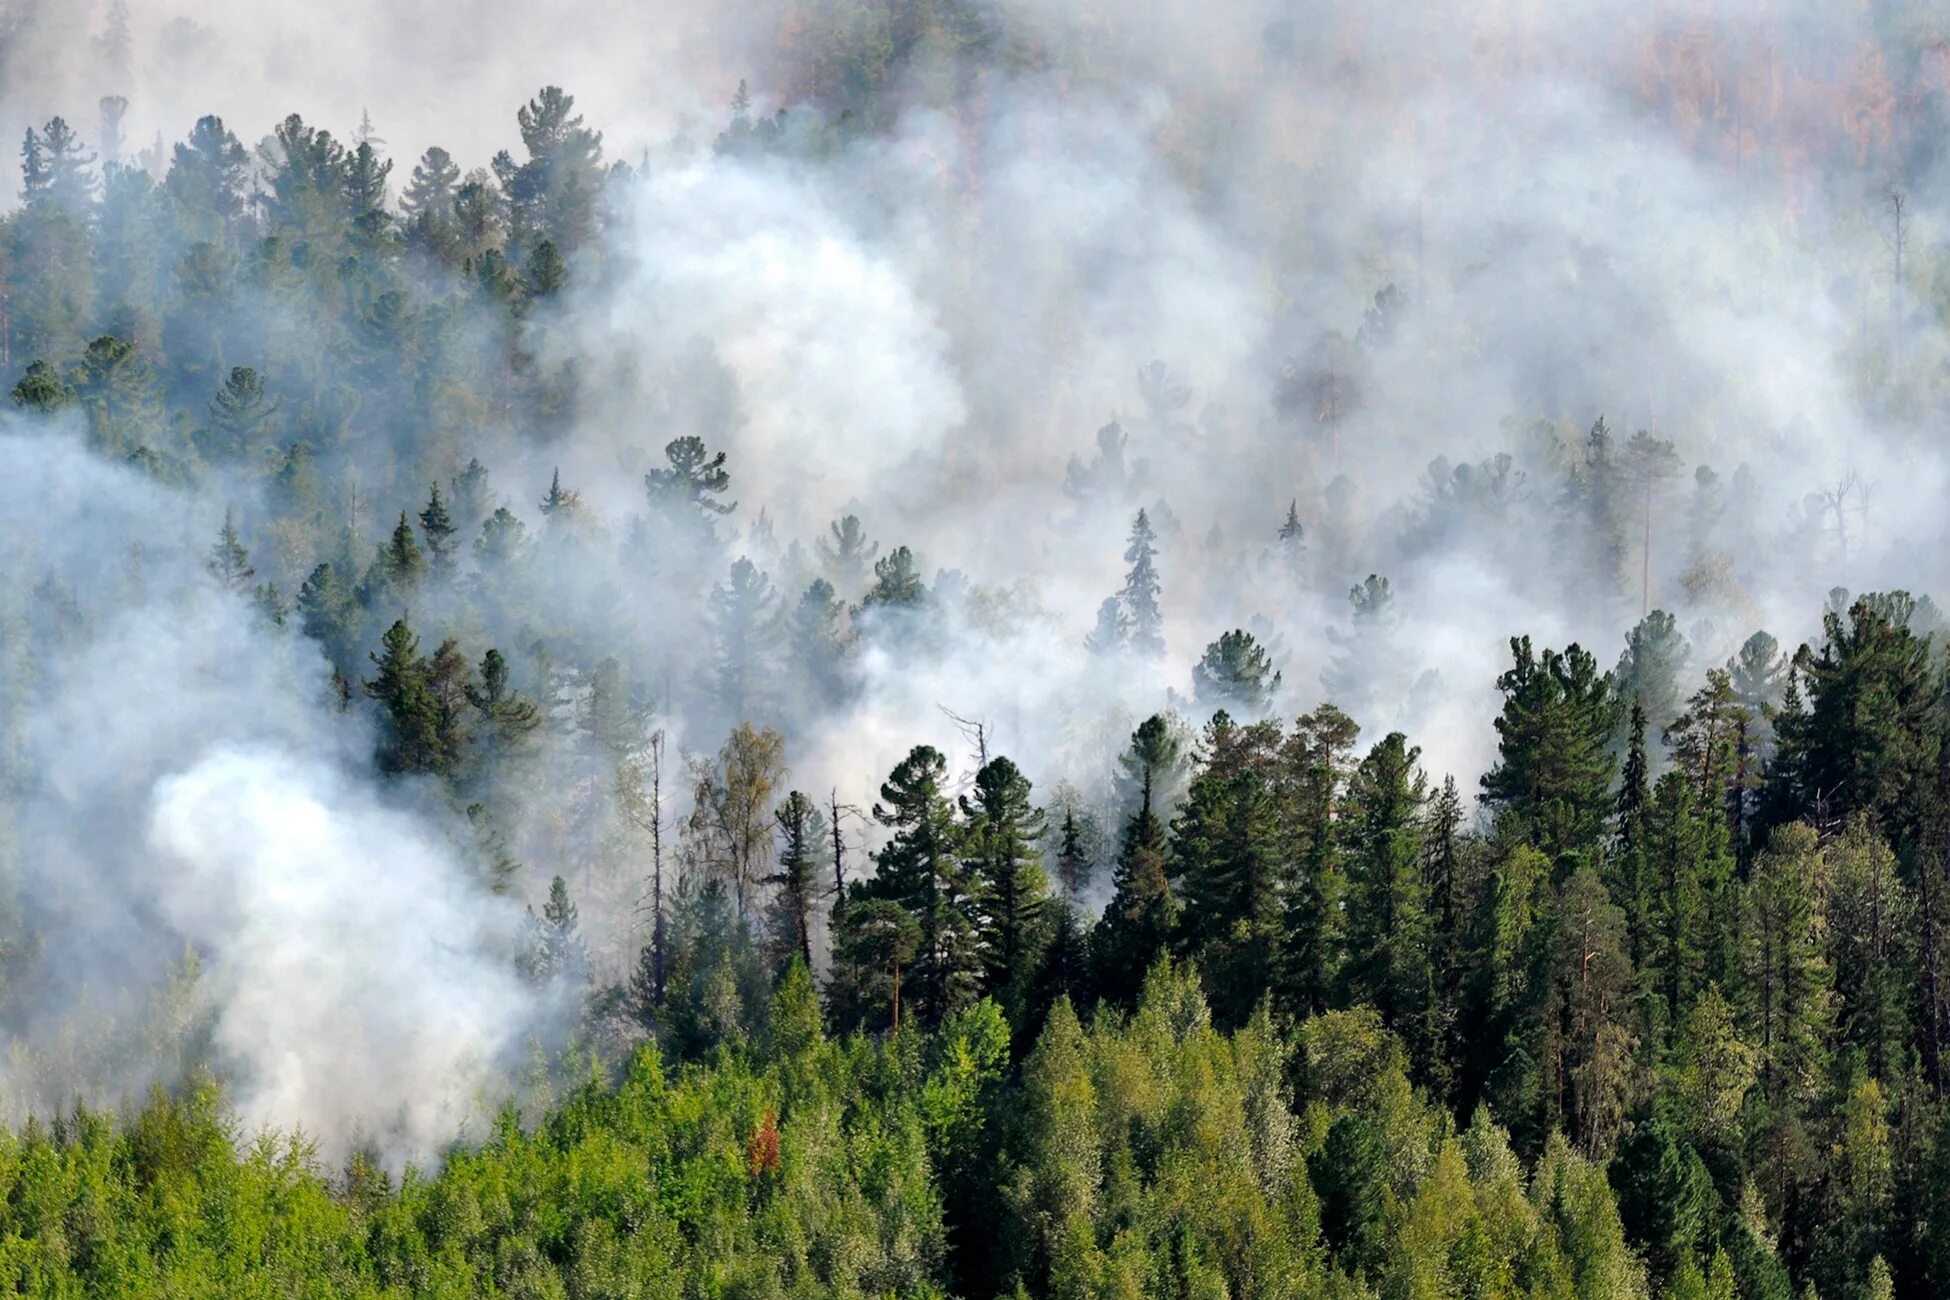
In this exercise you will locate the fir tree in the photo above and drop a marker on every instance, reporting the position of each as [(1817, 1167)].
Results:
[(1551, 783), (1001, 830), (437, 526), (745, 629), (229, 562), (802, 832), (1139, 597), (920, 869)]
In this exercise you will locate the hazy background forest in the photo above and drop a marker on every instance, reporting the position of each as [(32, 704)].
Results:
[(624, 632)]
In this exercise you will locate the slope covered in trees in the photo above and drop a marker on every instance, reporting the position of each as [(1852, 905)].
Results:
[(1067, 654)]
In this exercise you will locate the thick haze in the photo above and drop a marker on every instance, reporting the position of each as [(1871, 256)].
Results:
[(927, 328)]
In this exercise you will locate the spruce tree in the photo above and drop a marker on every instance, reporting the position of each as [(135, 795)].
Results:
[(1389, 935), (1315, 763), (1226, 848), (1139, 597), (437, 526), (1551, 784), (229, 562), (802, 832), (1001, 827), (745, 630), (919, 868)]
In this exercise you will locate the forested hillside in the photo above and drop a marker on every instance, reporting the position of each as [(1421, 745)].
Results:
[(1277, 652)]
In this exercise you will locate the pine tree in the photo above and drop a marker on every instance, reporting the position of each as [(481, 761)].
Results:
[(507, 719), (411, 741), (1649, 670), (1627, 867), (209, 177), (896, 582), (848, 555), (1112, 633), (438, 528), (1236, 673), (919, 868), (1141, 916), (1074, 868), (1593, 987), (239, 414), (545, 274), (473, 498), (816, 644), (503, 542), (70, 180), (42, 390), (1001, 827), (687, 495), (450, 683), (229, 562), (1785, 972)]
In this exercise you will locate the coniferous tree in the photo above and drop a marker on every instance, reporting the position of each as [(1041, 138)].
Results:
[(1139, 597), (687, 495), (328, 613), (1293, 541), (897, 582), (1074, 867), (816, 645), (802, 832), (1001, 827), (412, 740), (560, 502), (1388, 931), (745, 629), (42, 390), (1235, 672), (239, 414), (229, 562), (557, 952), (1648, 672), (507, 719), (437, 526), (847, 554), (396, 571), (920, 869), (1226, 848), (1551, 784), (1316, 767)]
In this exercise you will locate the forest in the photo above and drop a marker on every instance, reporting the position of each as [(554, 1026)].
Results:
[(1020, 651)]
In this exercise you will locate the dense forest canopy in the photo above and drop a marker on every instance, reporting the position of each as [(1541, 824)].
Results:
[(975, 648)]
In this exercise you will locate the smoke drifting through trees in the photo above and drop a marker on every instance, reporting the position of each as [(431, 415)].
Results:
[(1378, 277)]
